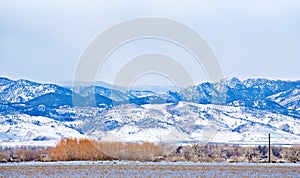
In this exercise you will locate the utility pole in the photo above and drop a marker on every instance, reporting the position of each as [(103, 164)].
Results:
[(269, 148)]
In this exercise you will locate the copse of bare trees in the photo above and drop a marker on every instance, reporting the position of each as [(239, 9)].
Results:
[(19, 154), (292, 154), (233, 153)]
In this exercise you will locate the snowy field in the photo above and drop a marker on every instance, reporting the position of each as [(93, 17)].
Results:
[(142, 169)]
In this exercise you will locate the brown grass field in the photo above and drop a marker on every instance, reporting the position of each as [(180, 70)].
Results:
[(133, 169)]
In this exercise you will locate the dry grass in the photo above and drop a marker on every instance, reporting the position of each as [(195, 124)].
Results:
[(150, 170)]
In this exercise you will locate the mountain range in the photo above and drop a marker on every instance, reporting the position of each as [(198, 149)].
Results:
[(228, 111)]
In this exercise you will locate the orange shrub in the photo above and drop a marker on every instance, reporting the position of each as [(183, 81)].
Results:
[(71, 149), (144, 151)]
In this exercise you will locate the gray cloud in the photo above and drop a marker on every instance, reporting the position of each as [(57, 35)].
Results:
[(43, 40)]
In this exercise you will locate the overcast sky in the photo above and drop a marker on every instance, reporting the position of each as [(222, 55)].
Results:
[(44, 40)]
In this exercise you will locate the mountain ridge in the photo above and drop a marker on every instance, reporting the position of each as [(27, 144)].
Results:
[(107, 110)]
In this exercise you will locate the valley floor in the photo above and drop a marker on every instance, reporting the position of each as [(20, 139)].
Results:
[(148, 169)]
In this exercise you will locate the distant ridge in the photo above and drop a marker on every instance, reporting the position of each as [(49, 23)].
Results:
[(247, 109)]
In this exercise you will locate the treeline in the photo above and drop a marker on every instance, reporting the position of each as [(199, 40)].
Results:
[(72, 149), (234, 153)]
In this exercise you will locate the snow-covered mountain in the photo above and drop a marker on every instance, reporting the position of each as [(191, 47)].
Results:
[(186, 121), (228, 111), (23, 90)]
